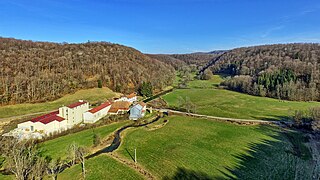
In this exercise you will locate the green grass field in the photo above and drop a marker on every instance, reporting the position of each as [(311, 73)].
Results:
[(210, 100), (5, 177), (188, 147), (101, 167), (58, 147), (212, 83), (91, 95)]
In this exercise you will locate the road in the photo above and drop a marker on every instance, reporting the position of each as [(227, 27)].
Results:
[(241, 121), (22, 116)]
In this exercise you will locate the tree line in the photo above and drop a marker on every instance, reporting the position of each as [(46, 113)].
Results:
[(24, 159), (40, 71), (284, 71)]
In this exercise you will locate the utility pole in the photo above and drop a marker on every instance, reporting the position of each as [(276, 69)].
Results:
[(135, 155)]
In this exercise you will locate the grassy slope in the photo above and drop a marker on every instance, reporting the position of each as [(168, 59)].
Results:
[(4, 177), (57, 147), (225, 103), (91, 95), (189, 147), (101, 167)]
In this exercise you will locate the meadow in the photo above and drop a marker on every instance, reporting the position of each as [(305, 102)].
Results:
[(58, 147), (91, 95), (101, 167), (190, 147), (211, 100)]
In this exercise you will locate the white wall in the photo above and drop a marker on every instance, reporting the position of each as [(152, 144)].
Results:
[(89, 117), (74, 116), (54, 126)]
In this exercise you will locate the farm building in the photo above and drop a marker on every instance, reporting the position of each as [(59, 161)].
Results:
[(95, 114), (120, 107), (138, 111), (64, 118), (73, 113), (45, 124), (131, 98)]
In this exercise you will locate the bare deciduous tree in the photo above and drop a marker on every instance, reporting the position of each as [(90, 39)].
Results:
[(21, 157), (54, 167), (39, 169), (72, 153), (81, 155)]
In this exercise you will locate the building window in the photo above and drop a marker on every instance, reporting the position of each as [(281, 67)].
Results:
[(32, 128)]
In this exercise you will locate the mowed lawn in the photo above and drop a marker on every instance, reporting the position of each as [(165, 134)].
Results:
[(91, 95), (101, 167), (187, 148), (58, 147), (210, 100)]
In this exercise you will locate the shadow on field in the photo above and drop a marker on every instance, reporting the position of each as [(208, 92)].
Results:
[(131, 156), (273, 118), (283, 157), (186, 174)]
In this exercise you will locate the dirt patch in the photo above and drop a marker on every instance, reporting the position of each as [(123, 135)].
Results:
[(132, 165), (157, 103), (158, 126)]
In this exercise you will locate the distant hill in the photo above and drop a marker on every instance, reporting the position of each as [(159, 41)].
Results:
[(39, 71), (212, 52), (284, 71), (174, 62), (178, 60)]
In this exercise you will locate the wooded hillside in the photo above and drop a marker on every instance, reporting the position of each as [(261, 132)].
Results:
[(178, 61), (40, 71), (284, 71)]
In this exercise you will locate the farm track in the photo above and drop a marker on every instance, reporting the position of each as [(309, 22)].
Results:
[(232, 120), (22, 116)]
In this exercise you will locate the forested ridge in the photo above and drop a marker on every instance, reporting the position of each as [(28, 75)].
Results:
[(40, 71), (180, 61), (284, 71)]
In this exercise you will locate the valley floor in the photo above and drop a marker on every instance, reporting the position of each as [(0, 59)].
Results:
[(183, 147), (211, 100)]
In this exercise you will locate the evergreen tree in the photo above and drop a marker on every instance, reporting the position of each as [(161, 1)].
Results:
[(145, 89)]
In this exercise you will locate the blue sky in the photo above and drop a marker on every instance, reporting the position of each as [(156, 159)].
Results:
[(163, 26)]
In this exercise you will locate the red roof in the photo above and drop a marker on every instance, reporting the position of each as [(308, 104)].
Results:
[(120, 105), (76, 104), (142, 103), (47, 118), (132, 95), (98, 108)]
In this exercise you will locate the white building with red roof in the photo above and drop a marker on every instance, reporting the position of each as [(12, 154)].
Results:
[(130, 98), (95, 114), (45, 124), (64, 118), (73, 113)]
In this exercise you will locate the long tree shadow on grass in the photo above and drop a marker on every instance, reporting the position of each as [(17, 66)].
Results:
[(186, 174), (273, 118), (131, 156), (283, 157)]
